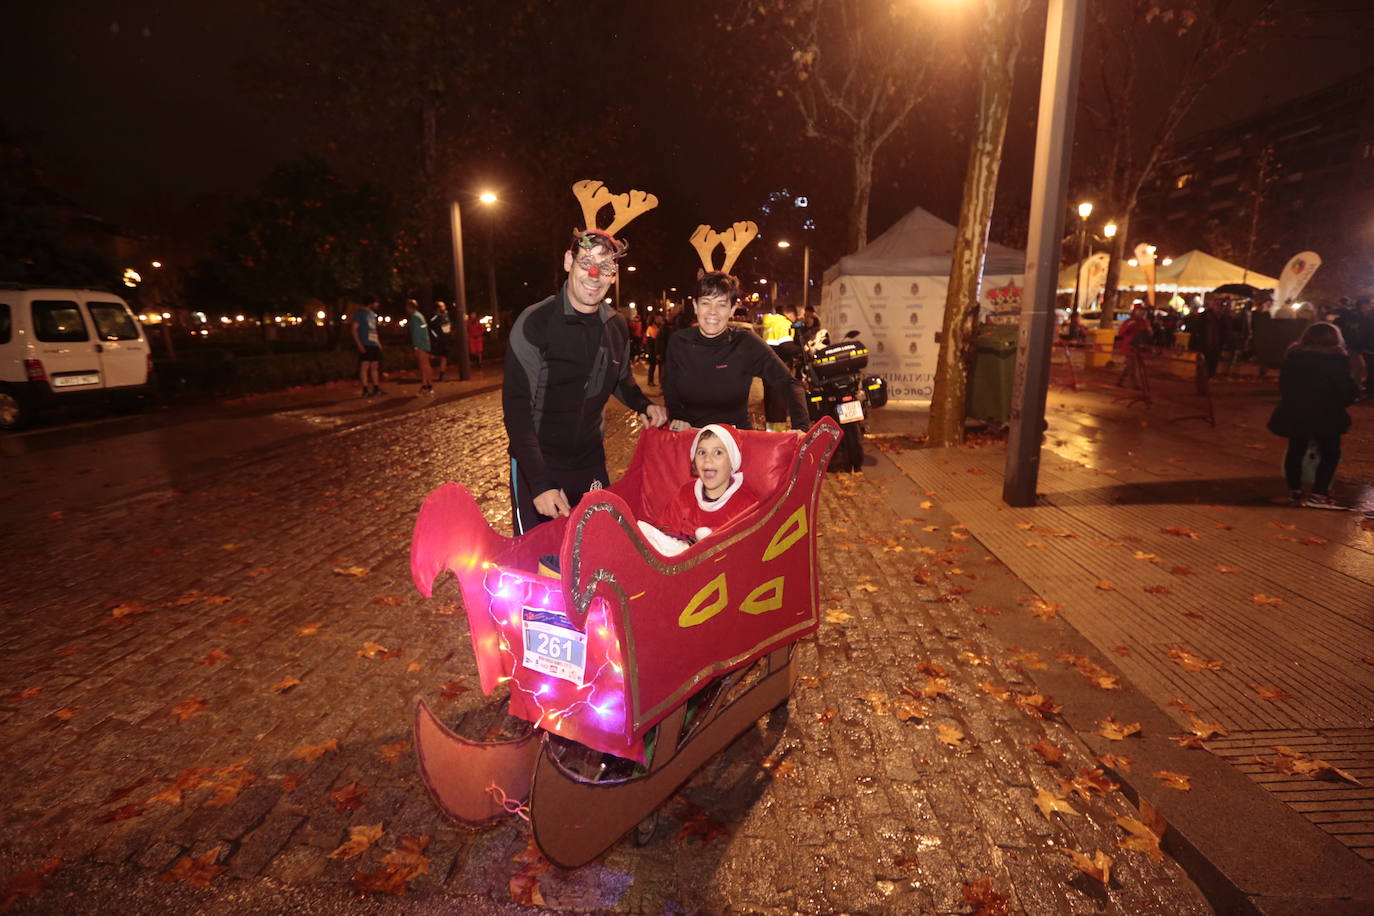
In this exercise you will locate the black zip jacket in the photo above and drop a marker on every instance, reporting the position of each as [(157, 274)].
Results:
[(561, 368), (708, 378), (1315, 387)]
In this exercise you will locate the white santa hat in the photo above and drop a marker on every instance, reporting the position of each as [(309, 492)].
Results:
[(727, 440)]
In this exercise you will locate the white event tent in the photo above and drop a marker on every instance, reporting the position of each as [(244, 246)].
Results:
[(1194, 272), (892, 291)]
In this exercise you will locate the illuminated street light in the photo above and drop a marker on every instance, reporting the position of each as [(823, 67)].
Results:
[(157, 263), (1109, 230), (487, 197), (631, 268), (1085, 210), (784, 244)]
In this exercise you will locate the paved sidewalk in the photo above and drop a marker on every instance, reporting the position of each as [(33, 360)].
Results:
[(207, 686), (1164, 546)]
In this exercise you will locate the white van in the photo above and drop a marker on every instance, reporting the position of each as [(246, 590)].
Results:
[(61, 345)]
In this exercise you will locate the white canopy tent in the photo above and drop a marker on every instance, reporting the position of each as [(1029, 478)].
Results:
[(1194, 272), (892, 291)]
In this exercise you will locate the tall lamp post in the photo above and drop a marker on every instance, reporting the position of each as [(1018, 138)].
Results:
[(1053, 139), (488, 198), (460, 293)]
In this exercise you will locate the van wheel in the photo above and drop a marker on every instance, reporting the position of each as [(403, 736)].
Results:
[(14, 414)]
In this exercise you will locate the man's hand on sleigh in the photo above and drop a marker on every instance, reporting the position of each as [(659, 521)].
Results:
[(654, 415), (552, 503)]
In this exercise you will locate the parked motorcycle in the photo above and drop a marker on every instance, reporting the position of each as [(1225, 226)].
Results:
[(836, 387)]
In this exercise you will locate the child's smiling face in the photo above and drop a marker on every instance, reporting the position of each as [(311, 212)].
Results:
[(712, 465)]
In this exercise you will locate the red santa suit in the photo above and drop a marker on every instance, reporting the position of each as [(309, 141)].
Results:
[(694, 514)]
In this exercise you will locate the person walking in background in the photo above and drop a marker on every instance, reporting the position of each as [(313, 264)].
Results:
[(636, 334), (1203, 334), (1365, 344), (651, 354), (439, 330), (369, 344), (419, 341), (1135, 333), (476, 334), (780, 329), (1316, 384)]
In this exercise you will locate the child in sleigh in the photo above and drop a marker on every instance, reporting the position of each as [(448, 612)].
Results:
[(715, 498)]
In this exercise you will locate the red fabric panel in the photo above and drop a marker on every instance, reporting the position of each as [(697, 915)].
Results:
[(661, 465)]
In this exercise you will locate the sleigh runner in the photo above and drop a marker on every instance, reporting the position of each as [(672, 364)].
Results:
[(621, 641)]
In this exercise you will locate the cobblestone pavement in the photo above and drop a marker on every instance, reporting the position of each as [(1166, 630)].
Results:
[(207, 685)]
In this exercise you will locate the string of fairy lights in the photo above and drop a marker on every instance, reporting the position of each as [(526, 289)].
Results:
[(516, 589)]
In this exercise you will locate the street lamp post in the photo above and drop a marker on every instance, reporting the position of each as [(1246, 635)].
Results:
[(460, 295), (488, 198), (1053, 139)]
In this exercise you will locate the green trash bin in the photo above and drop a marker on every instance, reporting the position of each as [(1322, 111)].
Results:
[(994, 365)]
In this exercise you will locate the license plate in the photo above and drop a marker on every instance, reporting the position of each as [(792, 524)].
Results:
[(850, 411), (553, 647), (69, 381)]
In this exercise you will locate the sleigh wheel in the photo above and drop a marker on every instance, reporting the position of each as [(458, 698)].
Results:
[(644, 833), (576, 819)]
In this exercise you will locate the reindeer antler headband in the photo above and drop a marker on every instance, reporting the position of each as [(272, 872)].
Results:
[(705, 240), (594, 196)]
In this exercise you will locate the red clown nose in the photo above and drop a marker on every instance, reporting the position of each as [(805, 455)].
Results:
[(594, 272)]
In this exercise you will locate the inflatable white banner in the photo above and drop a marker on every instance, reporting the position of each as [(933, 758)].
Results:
[(1296, 273), (1092, 278), (1145, 257)]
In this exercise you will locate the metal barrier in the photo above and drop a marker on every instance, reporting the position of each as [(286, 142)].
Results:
[(1155, 370), (1065, 374)]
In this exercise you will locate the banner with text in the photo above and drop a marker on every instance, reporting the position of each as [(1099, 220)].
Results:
[(900, 319)]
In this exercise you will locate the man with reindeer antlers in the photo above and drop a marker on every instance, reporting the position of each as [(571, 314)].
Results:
[(566, 356)]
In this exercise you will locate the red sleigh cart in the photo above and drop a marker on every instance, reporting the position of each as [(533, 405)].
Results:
[(620, 642)]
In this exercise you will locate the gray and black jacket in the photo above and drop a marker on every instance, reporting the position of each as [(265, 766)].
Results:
[(561, 368)]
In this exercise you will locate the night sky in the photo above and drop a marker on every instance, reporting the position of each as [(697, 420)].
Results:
[(151, 115)]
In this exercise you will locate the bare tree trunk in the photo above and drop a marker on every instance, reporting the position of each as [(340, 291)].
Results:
[(1110, 293), (1000, 43), (858, 208)]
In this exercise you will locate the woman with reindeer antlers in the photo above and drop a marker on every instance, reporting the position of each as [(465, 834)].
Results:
[(711, 366)]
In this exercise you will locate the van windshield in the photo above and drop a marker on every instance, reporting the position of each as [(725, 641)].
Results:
[(58, 321), (112, 321)]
